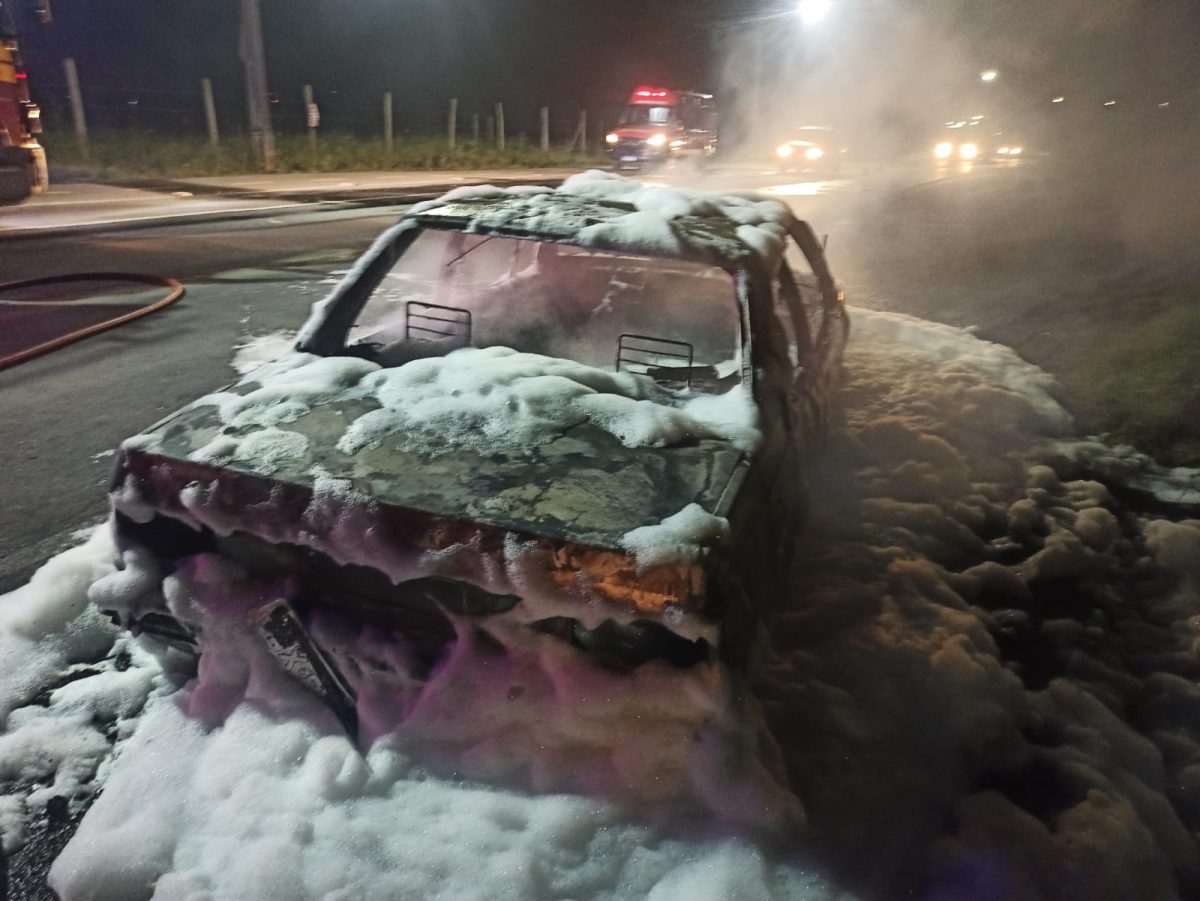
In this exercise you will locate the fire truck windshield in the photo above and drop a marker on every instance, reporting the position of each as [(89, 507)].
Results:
[(641, 114)]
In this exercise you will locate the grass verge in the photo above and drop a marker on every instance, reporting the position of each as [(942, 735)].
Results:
[(1140, 382), (117, 155)]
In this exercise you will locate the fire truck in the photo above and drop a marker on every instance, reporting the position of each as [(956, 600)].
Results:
[(659, 124), (22, 160)]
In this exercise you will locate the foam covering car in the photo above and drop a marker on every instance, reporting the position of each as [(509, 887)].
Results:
[(586, 412)]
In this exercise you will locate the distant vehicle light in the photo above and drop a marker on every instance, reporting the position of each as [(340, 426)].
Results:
[(968, 151), (656, 140), (612, 138), (1015, 151), (1058, 99), (1003, 151), (814, 153), (783, 151), (1110, 103), (944, 150)]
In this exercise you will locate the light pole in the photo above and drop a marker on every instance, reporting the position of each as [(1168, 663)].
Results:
[(258, 108)]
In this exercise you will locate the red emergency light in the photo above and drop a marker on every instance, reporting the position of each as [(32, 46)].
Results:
[(647, 94)]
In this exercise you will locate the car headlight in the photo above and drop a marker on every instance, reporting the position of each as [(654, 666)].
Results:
[(783, 151), (612, 138), (814, 153), (656, 140), (1015, 151), (944, 150), (968, 151), (1003, 151)]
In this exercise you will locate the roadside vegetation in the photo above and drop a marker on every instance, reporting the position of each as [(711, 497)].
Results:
[(117, 156), (1140, 383), (1077, 272)]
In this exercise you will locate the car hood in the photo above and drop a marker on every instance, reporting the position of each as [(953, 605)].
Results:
[(583, 486)]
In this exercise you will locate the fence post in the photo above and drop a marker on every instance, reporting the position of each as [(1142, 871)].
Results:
[(545, 128), (452, 123), (579, 139), (313, 118), (388, 131), (81, 133), (500, 126), (475, 127), (210, 114)]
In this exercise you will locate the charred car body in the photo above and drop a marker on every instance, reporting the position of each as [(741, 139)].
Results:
[(582, 411)]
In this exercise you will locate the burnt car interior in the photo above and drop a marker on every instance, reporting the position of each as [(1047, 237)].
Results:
[(674, 321)]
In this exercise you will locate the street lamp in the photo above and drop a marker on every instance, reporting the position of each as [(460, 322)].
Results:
[(813, 11), (988, 75)]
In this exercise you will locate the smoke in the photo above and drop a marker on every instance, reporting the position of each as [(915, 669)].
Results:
[(883, 74), (889, 73)]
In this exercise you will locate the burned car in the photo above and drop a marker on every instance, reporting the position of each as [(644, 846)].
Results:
[(582, 412)]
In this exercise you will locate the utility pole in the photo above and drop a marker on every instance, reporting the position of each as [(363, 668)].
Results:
[(258, 107)]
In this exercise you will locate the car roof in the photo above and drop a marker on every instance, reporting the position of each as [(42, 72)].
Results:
[(706, 232)]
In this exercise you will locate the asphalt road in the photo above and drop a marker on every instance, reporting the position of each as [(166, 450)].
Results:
[(61, 415)]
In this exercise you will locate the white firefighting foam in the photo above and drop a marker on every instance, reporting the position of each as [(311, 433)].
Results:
[(989, 649), (983, 680), (70, 688), (472, 397)]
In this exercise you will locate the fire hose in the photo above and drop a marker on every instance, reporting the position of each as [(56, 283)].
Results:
[(176, 291)]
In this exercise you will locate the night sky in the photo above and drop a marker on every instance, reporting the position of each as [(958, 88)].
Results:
[(573, 53)]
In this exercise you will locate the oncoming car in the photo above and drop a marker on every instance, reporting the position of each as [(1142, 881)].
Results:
[(813, 148), (584, 413), (970, 140)]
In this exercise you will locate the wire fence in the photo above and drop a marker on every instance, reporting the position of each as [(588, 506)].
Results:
[(181, 113)]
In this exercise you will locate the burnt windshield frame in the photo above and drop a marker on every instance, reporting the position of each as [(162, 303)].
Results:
[(328, 329)]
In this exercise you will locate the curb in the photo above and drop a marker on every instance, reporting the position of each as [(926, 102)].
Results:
[(431, 189), (292, 203)]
